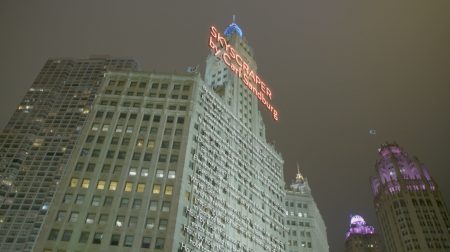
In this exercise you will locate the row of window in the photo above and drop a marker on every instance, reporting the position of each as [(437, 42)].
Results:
[(155, 85), (112, 186), (124, 202), (98, 239)]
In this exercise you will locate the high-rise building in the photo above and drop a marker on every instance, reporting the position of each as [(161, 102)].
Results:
[(168, 162), (361, 237), (306, 228), (39, 139), (410, 208)]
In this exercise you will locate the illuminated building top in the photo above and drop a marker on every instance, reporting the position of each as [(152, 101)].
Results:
[(397, 171), (359, 226), (233, 27)]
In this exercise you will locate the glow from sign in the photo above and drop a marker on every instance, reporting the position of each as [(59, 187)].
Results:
[(220, 47)]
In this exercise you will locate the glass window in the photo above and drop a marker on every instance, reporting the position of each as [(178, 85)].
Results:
[(165, 206), (95, 127), (176, 145), (84, 236), (137, 203), (165, 144), (53, 235), (133, 171), (80, 199), (144, 172), (159, 173), (162, 158), (108, 201), (148, 156), (112, 185), (128, 187), (140, 142), (90, 218), (119, 128), (85, 183), (130, 129), (68, 197), (171, 175), (132, 222), (103, 219), (124, 202), (153, 205), (159, 244), (105, 127), (66, 235), (168, 190), (73, 217), (149, 223), (74, 182), (98, 236), (101, 185), (120, 221), (140, 187), (115, 240), (96, 200), (156, 189), (173, 158), (146, 242), (61, 215)]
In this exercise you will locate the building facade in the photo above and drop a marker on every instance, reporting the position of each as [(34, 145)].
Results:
[(169, 162), (410, 208), (361, 237), (39, 139), (306, 229)]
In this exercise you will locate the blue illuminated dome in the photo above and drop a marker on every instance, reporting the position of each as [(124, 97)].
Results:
[(233, 27)]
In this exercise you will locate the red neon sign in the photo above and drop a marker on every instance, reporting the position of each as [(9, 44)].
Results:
[(237, 64)]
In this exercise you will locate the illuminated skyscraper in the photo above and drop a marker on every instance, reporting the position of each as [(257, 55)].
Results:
[(306, 228), (168, 162), (408, 203), (361, 237), (39, 139)]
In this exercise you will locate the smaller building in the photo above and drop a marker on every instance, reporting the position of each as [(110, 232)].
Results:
[(305, 226), (361, 237)]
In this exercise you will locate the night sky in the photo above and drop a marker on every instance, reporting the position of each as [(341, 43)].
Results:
[(337, 70)]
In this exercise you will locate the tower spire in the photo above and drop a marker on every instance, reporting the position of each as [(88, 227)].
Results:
[(234, 18), (299, 177)]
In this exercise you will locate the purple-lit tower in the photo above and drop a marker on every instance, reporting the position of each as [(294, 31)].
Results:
[(361, 237), (408, 203)]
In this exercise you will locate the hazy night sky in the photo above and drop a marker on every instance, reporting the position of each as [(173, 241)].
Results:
[(337, 70)]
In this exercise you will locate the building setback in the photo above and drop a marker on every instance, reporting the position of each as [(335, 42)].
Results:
[(408, 203), (39, 139), (167, 162), (361, 237), (306, 229)]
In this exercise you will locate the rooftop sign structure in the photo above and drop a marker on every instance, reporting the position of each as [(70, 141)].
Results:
[(222, 49)]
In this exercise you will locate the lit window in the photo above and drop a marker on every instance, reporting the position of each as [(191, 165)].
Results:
[(120, 220), (119, 128), (101, 184), (140, 188), (113, 185), (149, 223), (169, 190), (130, 129), (90, 218), (97, 238), (151, 144), (171, 175), (128, 187), (85, 183), (95, 126), (162, 224), (74, 182), (105, 127), (133, 171), (140, 143), (156, 189), (159, 173), (144, 172)]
